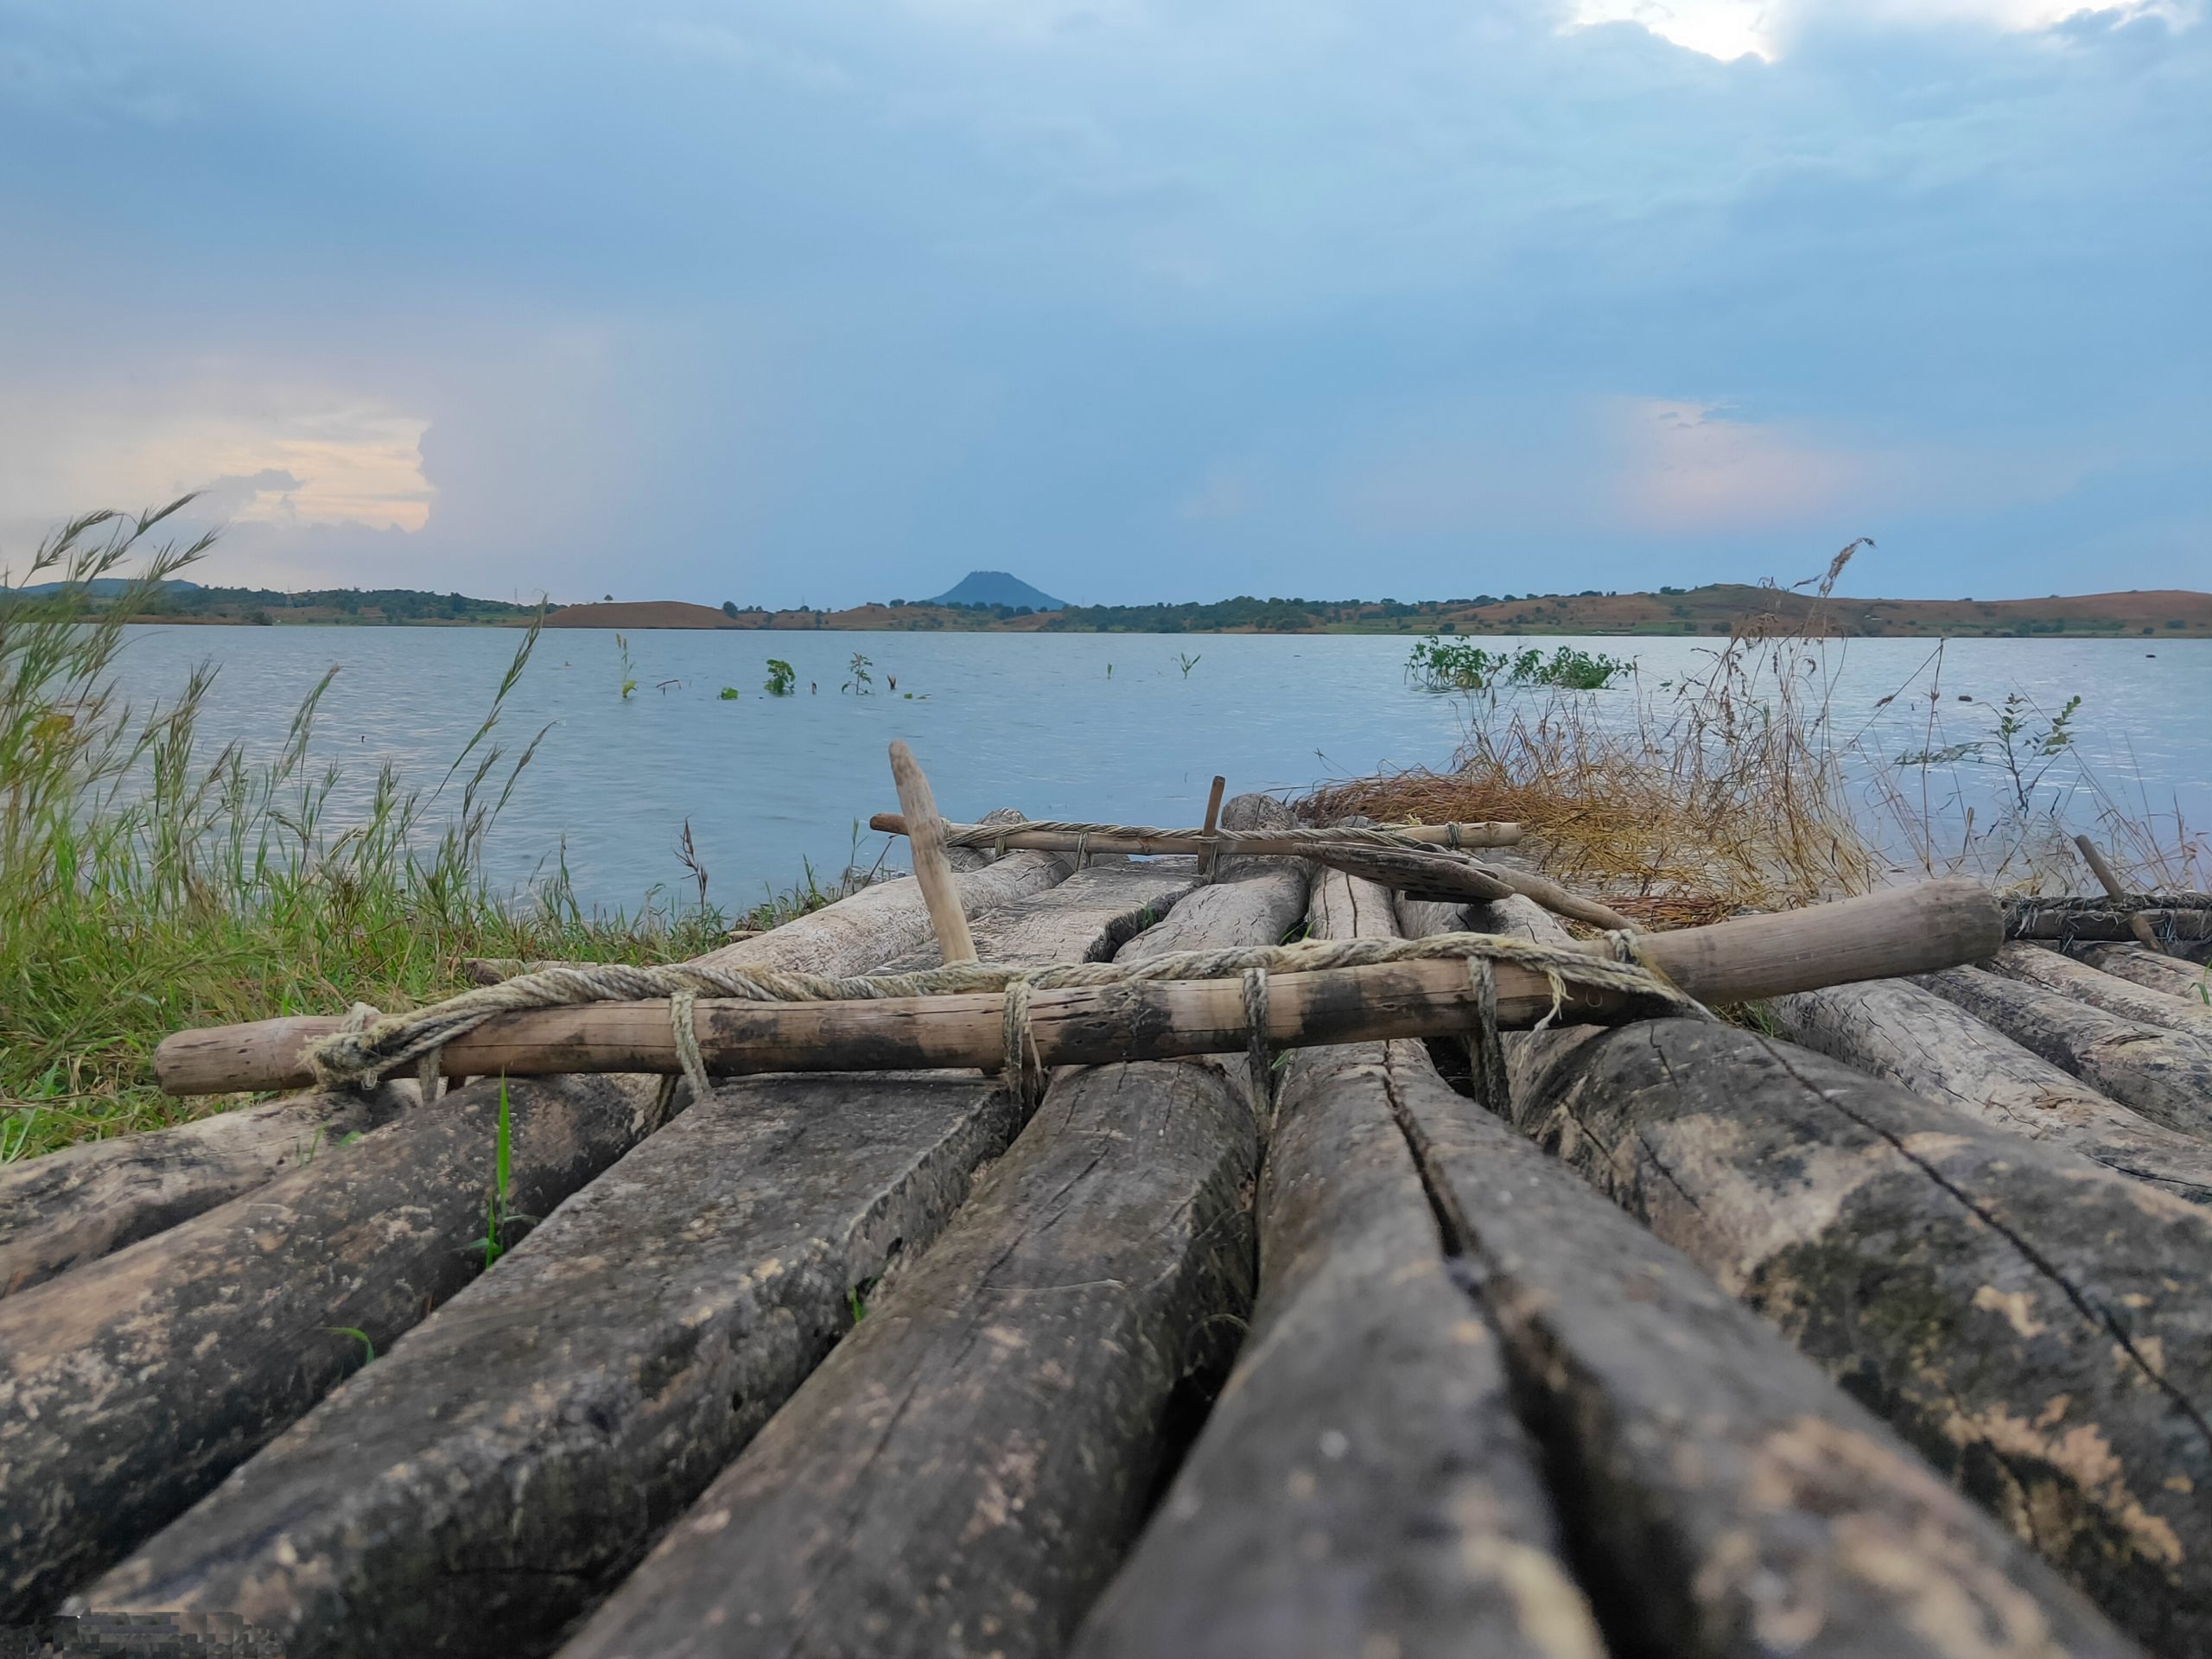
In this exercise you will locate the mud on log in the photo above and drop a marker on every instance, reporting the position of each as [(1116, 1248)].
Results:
[(82, 1202), (964, 1469), (129, 1386), (2034, 1325), (2166, 1076), (1364, 1486), (1888, 1029)]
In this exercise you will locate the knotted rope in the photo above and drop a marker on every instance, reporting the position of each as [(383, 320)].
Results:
[(362, 1056)]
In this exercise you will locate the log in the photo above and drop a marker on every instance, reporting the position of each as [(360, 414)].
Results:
[(1725, 1496), (2165, 1076), (606, 1370), (1212, 821), (132, 1384), (2030, 1324), (1362, 1486), (1198, 840), (2153, 969), (1890, 1029), (610, 1369), (963, 1470), (2183, 925), (2032, 965), (1084, 919), (1877, 937), (80, 1203)]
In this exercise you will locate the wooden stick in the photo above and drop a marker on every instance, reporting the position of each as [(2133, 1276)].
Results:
[(2136, 924), (1213, 821), (1910, 929), (931, 869), (1197, 841)]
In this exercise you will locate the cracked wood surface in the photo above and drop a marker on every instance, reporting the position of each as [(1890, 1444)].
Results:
[(2154, 968), (1891, 1029), (131, 1385), (1361, 1485), (2033, 1325), (81, 1203), (1084, 919), (965, 1468), (2166, 1076), (2033, 965)]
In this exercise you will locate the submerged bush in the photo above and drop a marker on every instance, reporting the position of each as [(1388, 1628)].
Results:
[(1443, 664)]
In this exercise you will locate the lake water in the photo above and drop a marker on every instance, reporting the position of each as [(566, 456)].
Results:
[(1031, 721)]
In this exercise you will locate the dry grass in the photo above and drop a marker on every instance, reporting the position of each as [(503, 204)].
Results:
[(1735, 789)]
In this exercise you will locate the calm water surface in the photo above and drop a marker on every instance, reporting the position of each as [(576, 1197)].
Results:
[(1031, 721)]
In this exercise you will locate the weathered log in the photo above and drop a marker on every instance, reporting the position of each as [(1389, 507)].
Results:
[(508, 1461), (2108, 879), (132, 1384), (1089, 916), (1363, 1486), (82, 1202), (2153, 969), (925, 835), (2030, 1323), (1875, 937), (964, 1469), (1727, 1497), (1890, 1029), (2164, 1075), (2184, 926), (618, 1358), (2033, 965)]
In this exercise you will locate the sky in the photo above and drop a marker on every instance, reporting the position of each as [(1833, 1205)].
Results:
[(1139, 299)]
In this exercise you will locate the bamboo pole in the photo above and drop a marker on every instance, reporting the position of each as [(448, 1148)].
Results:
[(1213, 821), (1913, 930), (931, 869), (1201, 840), (2137, 922)]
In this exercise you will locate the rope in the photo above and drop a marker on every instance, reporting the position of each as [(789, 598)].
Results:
[(994, 835), (1485, 1047), (1255, 1024), (356, 1057), (1021, 1065)]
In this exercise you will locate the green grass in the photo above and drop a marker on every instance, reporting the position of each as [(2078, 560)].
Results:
[(152, 880)]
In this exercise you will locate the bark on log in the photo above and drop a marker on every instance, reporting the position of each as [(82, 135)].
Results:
[(2034, 1326), (2033, 965), (132, 1384), (1890, 1029), (83, 1202), (2154, 968), (2164, 1075), (1362, 1486), (965, 1468), (616, 1361)]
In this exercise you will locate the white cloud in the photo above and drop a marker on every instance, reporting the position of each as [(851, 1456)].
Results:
[(1687, 467), (1728, 29)]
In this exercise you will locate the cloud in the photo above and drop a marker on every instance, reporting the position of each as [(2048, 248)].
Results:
[(1729, 30), (1686, 468)]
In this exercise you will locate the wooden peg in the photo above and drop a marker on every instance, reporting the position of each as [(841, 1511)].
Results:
[(1212, 824), (926, 833), (2145, 935)]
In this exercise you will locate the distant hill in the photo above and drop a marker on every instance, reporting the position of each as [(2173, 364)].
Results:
[(996, 587), (108, 587)]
